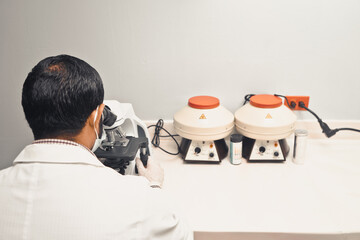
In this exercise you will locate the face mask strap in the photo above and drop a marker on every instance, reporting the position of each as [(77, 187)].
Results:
[(96, 114), (97, 140)]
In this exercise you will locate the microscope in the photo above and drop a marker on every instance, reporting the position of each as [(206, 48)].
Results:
[(124, 137)]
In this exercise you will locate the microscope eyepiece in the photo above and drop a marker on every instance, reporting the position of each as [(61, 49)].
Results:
[(109, 117)]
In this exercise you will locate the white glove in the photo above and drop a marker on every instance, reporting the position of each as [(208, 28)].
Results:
[(153, 171)]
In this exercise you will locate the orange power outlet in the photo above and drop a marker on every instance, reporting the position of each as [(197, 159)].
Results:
[(298, 99)]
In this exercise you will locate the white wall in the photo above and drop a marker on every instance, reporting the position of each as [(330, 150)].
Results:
[(158, 53)]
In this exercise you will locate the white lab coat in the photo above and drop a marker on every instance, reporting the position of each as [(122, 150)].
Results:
[(57, 191)]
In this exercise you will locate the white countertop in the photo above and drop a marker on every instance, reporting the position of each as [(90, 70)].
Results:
[(317, 200)]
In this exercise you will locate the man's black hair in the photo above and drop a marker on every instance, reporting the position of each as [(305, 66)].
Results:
[(59, 94)]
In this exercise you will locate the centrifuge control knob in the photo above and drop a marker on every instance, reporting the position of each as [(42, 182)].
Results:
[(197, 150), (262, 149), (276, 154), (211, 155)]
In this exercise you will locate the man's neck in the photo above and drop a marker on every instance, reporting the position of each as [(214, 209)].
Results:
[(81, 138)]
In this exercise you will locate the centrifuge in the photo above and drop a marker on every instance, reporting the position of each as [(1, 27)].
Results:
[(265, 122), (203, 124)]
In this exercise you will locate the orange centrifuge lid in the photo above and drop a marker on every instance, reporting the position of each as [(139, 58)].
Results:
[(203, 102), (265, 101)]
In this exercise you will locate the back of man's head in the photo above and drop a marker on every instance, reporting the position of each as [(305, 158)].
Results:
[(59, 95)]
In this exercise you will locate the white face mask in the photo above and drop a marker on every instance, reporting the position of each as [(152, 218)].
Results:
[(97, 140)]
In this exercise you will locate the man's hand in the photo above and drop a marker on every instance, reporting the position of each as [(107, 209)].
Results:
[(153, 171)]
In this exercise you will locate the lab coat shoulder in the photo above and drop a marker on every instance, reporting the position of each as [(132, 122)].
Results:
[(80, 198), (4, 173)]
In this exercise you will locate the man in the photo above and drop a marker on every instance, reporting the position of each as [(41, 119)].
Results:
[(57, 188)]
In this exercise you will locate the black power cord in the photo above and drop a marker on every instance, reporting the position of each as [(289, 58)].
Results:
[(247, 98), (325, 128), (291, 106), (156, 138)]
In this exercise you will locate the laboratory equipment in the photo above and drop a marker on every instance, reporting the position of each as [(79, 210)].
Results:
[(236, 148), (125, 137), (265, 123), (300, 142), (203, 124)]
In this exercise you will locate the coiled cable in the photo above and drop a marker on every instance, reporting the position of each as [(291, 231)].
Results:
[(156, 138)]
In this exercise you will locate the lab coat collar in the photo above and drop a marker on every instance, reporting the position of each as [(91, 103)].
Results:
[(57, 151)]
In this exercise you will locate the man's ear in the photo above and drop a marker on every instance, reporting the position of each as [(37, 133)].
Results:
[(98, 115)]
